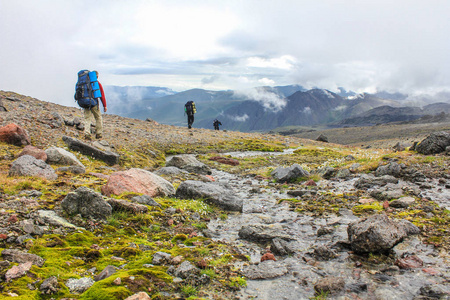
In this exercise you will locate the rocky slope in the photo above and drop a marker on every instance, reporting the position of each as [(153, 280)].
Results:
[(114, 220)]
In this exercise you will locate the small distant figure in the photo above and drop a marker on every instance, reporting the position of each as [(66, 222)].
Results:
[(190, 110), (216, 124)]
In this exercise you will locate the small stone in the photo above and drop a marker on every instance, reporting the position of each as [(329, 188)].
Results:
[(268, 256)]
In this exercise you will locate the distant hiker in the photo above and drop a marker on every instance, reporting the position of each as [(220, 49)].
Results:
[(190, 110), (88, 92), (216, 124)]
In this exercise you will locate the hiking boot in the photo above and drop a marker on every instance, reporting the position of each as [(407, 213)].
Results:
[(87, 137), (98, 136)]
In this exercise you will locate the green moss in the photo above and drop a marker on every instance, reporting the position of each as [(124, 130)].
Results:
[(367, 208), (179, 237)]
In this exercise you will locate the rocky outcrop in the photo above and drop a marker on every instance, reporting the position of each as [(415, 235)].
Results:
[(215, 193), (15, 135), (378, 233), (86, 202), (289, 174), (435, 143), (108, 157), (138, 181), (27, 165), (189, 163)]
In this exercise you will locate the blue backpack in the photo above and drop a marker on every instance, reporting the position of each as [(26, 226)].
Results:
[(87, 89)]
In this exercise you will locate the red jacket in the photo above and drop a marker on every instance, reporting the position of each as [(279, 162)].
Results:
[(103, 98)]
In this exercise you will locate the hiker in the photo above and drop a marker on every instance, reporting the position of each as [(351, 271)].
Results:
[(190, 110), (88, 93), (216, 124)]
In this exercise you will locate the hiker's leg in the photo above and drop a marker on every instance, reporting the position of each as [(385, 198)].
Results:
[(98, 120), (87, 121)]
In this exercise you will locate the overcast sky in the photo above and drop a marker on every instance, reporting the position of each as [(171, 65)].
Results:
[(362, 45)]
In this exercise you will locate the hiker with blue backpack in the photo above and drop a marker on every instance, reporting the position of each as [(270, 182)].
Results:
[(88, 92), (216, 124), (190, 110)]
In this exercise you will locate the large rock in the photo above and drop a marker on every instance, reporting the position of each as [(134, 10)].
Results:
[(138, 181), (86, 202), (213, 192), (330, 284), (378, 233), (435, 143), (60, 156), (262, 232), (27, 165), (33, 151), (108, 157), (185, 269), (367, 181), (79, 286), (189, 163), (14, 255), (15, 135), (123, 205), (265, 270), (393, 169), (289, 174)]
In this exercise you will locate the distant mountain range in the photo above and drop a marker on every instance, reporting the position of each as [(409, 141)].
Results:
[(266, 108)]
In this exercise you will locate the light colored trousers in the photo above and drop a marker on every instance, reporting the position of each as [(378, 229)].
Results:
[(95, 111)]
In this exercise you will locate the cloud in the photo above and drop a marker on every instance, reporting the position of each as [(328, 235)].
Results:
[(236, 118), (307, 110), (268, 99)]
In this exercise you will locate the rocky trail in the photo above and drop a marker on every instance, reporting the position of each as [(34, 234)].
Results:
[(162, 212)]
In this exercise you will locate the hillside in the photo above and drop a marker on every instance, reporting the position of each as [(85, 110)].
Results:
[(246, 216)]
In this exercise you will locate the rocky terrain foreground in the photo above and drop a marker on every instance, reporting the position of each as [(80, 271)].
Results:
[(153, 211)]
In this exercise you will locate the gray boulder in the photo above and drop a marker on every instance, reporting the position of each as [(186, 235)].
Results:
[(60, 156), (108, 157), (86, 202), (108, 271), (79, 286), (49, 285), (262, 232), (367, 181), (170, 171), (435, 143), (160, 258), (377, 233), (185, 269), (189, 163), (291, 173), (146, 200), (265, 270), (213, 192), (28, 165)]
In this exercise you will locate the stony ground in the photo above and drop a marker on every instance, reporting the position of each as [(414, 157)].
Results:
[(130, 242)]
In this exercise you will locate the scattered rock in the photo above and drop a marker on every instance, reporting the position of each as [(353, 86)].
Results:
[(185, 269), (146, 200), (265, 270), (409, 262), (324, 253), (139, 296), (330, 284), (289, 174), (281, 247), (213, 192), (49, 286), (86, 202), (160, 258), (403, 202), (170, 171), (268, 256), (189, 163), (322, 138), (262, 232), (435, 143), (432, 292), (34, 151), (225, 160), (15, 135), (71, 169), (50, 217), (108, 157), (60, 156), (367, 181), (393, 169), (138, 181), (14, 255), (108, 271), (79, 286), (27, 165), (18, 271), (375, 234), (123, 205)]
